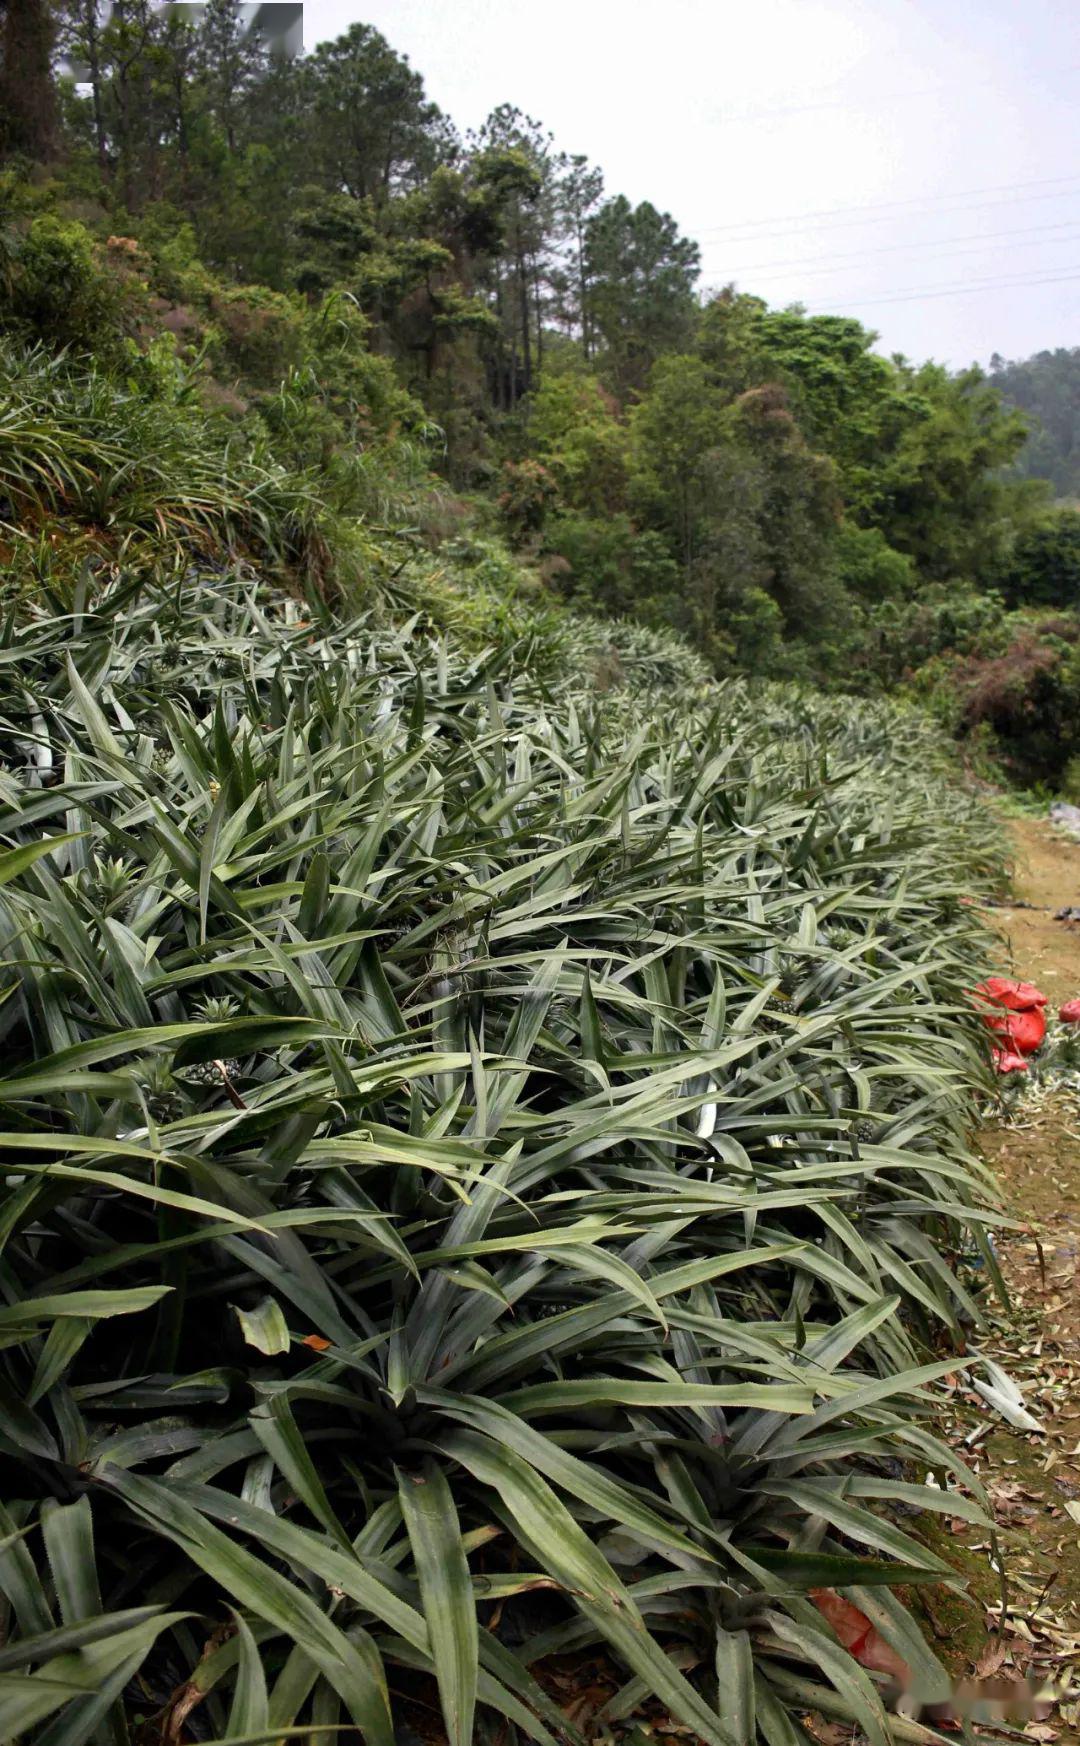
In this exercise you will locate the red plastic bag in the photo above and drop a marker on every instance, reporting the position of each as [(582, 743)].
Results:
[(1014, 1012), (1016, 996), (1025, 1030), (1008, 1061)]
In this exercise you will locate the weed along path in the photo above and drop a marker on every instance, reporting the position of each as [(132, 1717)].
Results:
[(1033, 1479)]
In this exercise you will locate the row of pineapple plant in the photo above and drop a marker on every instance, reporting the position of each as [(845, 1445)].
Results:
[(483, 1168)]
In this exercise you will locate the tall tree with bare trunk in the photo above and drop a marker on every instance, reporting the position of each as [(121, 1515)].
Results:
[(28, 119)]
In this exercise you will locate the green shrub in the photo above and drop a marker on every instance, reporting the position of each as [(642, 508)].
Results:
[(176, 270), (898, 637), (608, 565), (58, 292), (258, 333), (754, 626), (572, 425), (867, 567), (359, 386), (1043, 567), (1013, 697), (1028, 696), (528, 494)]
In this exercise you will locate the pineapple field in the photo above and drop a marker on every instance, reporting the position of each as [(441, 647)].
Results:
[(487, 1180)]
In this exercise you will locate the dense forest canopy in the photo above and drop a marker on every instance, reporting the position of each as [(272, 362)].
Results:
[(313, 255), (1046, 388)]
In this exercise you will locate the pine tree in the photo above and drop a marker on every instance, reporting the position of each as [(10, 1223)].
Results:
[(231, 60)]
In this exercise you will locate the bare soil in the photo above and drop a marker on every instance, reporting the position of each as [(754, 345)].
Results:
[(1030, 1624)]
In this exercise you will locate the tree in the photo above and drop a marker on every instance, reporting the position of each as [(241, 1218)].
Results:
[(574, 428), (680, 419), (332, 231), (370, 128), (514, 159), (125, 42), (943, 498), (851, 403), (79, 34), (799, 505), (1046, 388), (1042, 567), (28, 113), (640, 298), (918, 452), (579, 190), (231, 60), (178, 66), (450, 320), (749, 507)]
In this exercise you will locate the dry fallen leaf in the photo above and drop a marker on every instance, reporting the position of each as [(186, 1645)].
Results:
[(860, 1638), (991, 1658)]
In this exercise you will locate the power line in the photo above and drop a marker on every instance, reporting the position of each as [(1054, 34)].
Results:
[(764, 112), (816, 271), (800, 219), (895, 248), (960, 288), (894, 218), (915, 200)]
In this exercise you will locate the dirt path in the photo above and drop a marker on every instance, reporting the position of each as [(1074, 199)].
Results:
[(1048, 878), (1034, 1480)]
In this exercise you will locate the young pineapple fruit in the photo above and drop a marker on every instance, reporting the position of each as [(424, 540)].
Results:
[(215, 1010)]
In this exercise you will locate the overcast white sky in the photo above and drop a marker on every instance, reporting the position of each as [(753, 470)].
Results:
[(940, 137)]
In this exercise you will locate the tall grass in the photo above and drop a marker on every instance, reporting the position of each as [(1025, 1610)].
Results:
[(110, 470), (483, 1169)]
